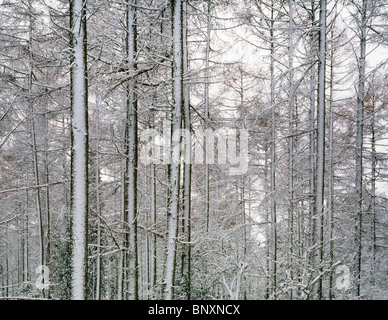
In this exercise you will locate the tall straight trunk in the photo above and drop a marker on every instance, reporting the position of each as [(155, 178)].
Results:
[(207, 60), (359, 146), (267, 218), (187, 159), (153, 221), (153, 248), (273, 159), (34, 147), (243, 220), (47, 196), (6, 261), (47, 193), (373, 200), (98, 204), (312, 150), (291, 142), (18, 257), (310, 256), (132, 152), (124, 215), (27, 239), (173, 205), (66, 219), (299, 227), (321, 141), (330, 196), (147, 254), (79, 150), (120, 274), (22, 250), (242, 184), (149, 239)]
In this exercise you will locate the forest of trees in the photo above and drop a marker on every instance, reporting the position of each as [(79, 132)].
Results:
[(104, 104)]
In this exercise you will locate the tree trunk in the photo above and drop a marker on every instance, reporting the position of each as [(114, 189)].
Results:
[(273, 159), (98, 204), (132, 152), (291, 143), (359, 146), (312, 150), (330, 196), (79, 155), (321, 142), (187, 160), (207, 58), (34, 147), (173, 205), (373, 201)]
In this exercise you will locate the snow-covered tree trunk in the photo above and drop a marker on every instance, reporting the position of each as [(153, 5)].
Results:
[(153, 247), (373, 198), (173, 205), (267, 218), (98, 203), (132, 152), (273, 159), (312, 160), (27, 243), (33, 143), (122, 267), (359, 145), (47, 192), (186, 262), (321, 140), (312, 137), (330, 187), (79, 150), (291, 141), (207, 85), (6, 281), (123, 206)]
